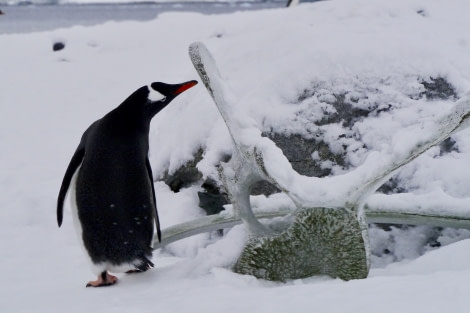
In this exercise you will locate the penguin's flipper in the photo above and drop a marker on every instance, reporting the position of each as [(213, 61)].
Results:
[(71, 169), (157, 221)]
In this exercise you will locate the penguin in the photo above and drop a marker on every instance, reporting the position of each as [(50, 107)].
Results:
[(110, 183)]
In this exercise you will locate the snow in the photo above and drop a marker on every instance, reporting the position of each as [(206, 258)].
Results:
[(268, 58)]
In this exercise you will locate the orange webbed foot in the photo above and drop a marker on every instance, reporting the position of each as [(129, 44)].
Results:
[(104, 279)]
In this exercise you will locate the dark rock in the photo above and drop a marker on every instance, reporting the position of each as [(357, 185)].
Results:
[(392, 186), (438, 88), (264, 188), (447, 146), (212, 203), (298, 150), (346, 113), (422, 13), (212, 199), (186, 175), (57, 46)]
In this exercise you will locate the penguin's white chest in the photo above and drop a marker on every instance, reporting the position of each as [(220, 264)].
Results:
[(97, 268), (76, 220)]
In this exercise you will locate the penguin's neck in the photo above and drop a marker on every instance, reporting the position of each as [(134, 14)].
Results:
[(129, 119)]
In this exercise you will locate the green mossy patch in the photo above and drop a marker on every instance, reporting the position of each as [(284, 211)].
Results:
[(321, 241)]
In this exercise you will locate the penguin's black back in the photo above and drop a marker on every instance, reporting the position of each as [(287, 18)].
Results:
[(114, 192)]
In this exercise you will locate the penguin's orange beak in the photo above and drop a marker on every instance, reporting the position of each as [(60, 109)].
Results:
[(184, 86)]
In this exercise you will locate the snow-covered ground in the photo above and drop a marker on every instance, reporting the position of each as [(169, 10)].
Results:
[(47, 100)]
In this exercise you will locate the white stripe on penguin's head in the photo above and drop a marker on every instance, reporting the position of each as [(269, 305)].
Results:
[(154, 95)]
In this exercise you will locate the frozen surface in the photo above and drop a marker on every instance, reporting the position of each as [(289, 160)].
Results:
[(43, 16), (270, 57)]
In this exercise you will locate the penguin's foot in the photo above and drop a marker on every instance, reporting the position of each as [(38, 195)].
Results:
[(145, 266), (139, 270), (104, 279)]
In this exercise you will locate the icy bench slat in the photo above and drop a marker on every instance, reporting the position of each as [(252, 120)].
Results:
[(446, 218)]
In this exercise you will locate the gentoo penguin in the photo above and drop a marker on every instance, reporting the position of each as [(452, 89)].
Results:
[(111, 185)]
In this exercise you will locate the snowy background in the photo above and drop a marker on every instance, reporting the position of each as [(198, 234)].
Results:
[(380, 49)]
